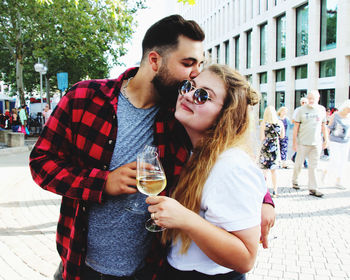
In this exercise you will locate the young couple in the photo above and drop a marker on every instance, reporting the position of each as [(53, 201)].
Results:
[(87, 154)]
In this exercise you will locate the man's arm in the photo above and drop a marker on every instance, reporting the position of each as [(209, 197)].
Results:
[(295, 135)]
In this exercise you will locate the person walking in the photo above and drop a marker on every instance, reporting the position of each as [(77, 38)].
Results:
[(213, 217), (87, 153), (303, 101), (282, 115), (46, 113), (271, 131), (339, 144), (310, 121), (15, 122)]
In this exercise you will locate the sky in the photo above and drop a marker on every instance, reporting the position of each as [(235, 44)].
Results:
[(146, 17)]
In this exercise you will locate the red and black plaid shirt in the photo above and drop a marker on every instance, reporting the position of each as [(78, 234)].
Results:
[(72, 156)]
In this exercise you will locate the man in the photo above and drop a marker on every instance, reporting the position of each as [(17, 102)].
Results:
[(81, 157), (307, 140), (303, 101)]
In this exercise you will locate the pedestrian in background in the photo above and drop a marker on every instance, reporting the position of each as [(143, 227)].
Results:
[(271, 131), (339, 144), (15, 122), (282, 115), (310, 125), (46, 113), (303, 101)]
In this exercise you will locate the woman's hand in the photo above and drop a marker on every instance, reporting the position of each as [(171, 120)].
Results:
[(168, 212)]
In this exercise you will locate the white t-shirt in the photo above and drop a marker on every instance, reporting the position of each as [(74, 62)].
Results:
[(232, 199)]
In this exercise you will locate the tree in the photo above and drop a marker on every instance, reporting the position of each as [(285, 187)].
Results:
[(78, 40)]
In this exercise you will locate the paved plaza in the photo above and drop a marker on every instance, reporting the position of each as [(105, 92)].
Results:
[(310, 240)]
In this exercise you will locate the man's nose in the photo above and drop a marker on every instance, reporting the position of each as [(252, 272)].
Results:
[(195, 71)]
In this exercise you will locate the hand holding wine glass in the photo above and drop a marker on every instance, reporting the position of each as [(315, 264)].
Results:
[(151, 179)]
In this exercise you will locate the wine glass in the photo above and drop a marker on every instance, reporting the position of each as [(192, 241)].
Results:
[(150, 178)]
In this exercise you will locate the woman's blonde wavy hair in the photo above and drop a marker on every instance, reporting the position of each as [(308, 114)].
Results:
[(230, 129)]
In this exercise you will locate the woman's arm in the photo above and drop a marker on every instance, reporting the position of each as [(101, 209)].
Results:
[(218, 244), (282, 133), (262, 130)]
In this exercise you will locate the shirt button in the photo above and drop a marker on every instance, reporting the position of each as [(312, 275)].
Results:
[(83, 250), (113, 117), (84, 208), (110, 141), (105, 167)]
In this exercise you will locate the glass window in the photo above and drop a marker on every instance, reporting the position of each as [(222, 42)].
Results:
[(327, 97), (280, 99), (263, 78), (327, 68), (262, 105), (249, 78), (263, 44), (328, 24), (210, 55), (217, 53), (298, 95), (249, 49), (302, 40), (301, 72), (281, 38), (227, 52), (281, 75), (237, 52)]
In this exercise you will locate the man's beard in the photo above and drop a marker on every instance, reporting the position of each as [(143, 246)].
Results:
[(166, 86)]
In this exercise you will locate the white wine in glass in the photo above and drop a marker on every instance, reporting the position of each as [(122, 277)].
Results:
[(151, 179)]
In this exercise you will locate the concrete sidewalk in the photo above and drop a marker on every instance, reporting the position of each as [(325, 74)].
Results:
[(312, 235)]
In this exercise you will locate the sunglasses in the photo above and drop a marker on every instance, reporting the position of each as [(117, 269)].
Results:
[(200, 95)]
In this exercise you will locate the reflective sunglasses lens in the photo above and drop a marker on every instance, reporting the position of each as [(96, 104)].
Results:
[(200, 96), (185, 87)]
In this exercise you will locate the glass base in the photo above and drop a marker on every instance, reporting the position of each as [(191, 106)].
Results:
[(152, 226)]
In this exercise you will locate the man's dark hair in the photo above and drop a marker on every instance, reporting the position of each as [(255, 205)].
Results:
[(164, 34)]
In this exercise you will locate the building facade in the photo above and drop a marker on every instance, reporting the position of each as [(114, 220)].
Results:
[(283, 47)]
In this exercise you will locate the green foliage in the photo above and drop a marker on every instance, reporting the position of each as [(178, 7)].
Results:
[(191, 2), (78, 37)]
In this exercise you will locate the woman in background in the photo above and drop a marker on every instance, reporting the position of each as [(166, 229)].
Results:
[(282, 115), (271, 130), (339, 127)]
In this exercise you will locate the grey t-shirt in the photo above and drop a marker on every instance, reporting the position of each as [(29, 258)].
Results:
[(117, 239), (340, 129), (310, 119)]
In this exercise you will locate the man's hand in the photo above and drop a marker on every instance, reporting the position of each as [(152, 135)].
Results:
[(119, 180), (268, 216)]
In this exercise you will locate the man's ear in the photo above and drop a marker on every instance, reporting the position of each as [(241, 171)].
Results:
[(155, 60)]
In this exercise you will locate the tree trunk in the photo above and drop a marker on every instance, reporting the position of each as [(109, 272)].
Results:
[(19, 78)]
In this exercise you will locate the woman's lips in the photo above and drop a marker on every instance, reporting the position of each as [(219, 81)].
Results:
[(186, 108)]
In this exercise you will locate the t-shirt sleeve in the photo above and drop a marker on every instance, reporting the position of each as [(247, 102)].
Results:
[(233, 193)]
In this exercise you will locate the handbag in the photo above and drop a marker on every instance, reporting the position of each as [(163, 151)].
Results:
[(27, 131)]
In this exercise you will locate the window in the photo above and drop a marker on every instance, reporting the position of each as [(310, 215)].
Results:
[(327, 68), (298, 95), (227, 52), (263, 78), (249, 49), (328, 24), (262, 105), (302, 40), (281, 38), (281, 75), (279, 99), (263, 44), (217, 48), (327, 97), (249, 78), (301, 72), (210, 55), (237, 52)]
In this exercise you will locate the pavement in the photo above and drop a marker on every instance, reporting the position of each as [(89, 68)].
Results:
[(310, 239)]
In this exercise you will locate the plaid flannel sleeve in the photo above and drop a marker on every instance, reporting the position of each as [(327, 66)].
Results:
[(52, 164)]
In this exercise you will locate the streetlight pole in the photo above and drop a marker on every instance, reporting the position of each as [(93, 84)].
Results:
[(39, 67)]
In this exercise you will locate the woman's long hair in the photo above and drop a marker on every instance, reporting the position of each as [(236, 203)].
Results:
[(270, 115), (230, 129)]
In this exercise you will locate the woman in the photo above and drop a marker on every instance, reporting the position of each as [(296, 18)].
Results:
[(214, 213), (282, 115), (46, 113), (15, 123), (271, 130), (339, 127)]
